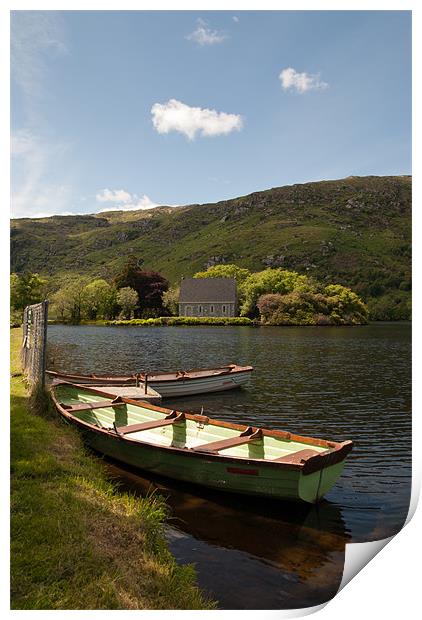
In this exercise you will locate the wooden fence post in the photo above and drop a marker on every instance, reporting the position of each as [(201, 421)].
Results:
[(34, 343)]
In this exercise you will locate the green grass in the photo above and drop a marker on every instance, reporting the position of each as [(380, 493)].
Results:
[(76, 541)]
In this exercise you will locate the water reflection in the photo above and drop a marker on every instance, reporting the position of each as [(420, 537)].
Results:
[(268, 543)]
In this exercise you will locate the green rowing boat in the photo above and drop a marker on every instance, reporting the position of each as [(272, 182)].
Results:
[(198, 449)]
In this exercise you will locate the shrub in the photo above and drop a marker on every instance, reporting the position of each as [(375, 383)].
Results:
[(184, 320), (339, 306), (276, 281)]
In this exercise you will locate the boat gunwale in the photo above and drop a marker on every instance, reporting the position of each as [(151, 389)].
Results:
[(184, 375), (152, 376), (338, 450)]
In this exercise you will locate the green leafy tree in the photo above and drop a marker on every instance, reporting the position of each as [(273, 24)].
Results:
[(68, 302), (269, 281), (149, 285), (393, 307), (225, 271), (345, 303), (26, 289), (295, 308), (127, 298), (99, 300), (59, 305), (304, 306), (171, 300)]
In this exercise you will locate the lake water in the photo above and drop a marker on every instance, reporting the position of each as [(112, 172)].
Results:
[(335, 383)]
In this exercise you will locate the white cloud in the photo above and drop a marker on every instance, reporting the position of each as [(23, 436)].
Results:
[(177, 116), (34, 36), (117, 195), (43, 214), (300, 82), (32, 189), (235, 18), (204, 35), (123, 201)]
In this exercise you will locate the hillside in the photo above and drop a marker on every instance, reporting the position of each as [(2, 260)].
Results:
[(354, 231)]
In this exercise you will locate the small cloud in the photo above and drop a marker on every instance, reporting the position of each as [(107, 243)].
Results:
[(235, 18), (42, 215), (177, 116), (300, 82), (118, 195), (123, 201), (204, 35), (145, 202)]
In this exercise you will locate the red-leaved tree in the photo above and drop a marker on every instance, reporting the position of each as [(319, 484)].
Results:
[(150, 286)]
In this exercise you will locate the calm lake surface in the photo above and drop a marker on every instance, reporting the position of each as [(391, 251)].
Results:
[(335, 383)]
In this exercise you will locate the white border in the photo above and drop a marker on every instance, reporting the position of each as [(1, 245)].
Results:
[(387, 586)]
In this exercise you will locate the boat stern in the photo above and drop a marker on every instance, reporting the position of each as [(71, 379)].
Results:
[(320, 473)]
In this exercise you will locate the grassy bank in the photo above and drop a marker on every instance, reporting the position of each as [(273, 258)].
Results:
[(76, 542)]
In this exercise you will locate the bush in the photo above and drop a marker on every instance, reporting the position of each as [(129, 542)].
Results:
[(275, 281), (338, 306), (16, 318), (391, 308), (184, 320)]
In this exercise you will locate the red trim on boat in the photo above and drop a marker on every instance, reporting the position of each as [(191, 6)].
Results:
[(238, 470)]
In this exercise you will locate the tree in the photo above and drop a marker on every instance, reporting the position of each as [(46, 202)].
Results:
[(68, 301), (306, 307), (171, 300), (127, 298), (99, 300), (149, 285), (344, 303), (26, 289), (295, 308), (225, 271), (268, 305), (270, 281), (59, 305)]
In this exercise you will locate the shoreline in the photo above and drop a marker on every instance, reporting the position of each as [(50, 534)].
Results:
[(218, 323)]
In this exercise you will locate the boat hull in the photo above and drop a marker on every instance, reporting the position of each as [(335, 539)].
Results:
[(197, 449), (204, 385), (248, 477), (183, 385)]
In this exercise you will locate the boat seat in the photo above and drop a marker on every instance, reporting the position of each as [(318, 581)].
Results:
[(172, 418), (296, 457), (100, 404), (214, 446)]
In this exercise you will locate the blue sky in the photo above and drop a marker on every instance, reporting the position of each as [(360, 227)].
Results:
[(134, 109)]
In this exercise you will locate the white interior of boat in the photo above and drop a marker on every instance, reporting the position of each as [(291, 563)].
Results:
[(184, 434)]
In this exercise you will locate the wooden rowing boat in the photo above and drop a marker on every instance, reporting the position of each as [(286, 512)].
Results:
[(198, 449), (181, 383)]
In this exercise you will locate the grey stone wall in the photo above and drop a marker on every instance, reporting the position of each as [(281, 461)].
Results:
[(217, 309)]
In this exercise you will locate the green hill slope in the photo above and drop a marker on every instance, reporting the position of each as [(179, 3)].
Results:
[(354, 231)]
